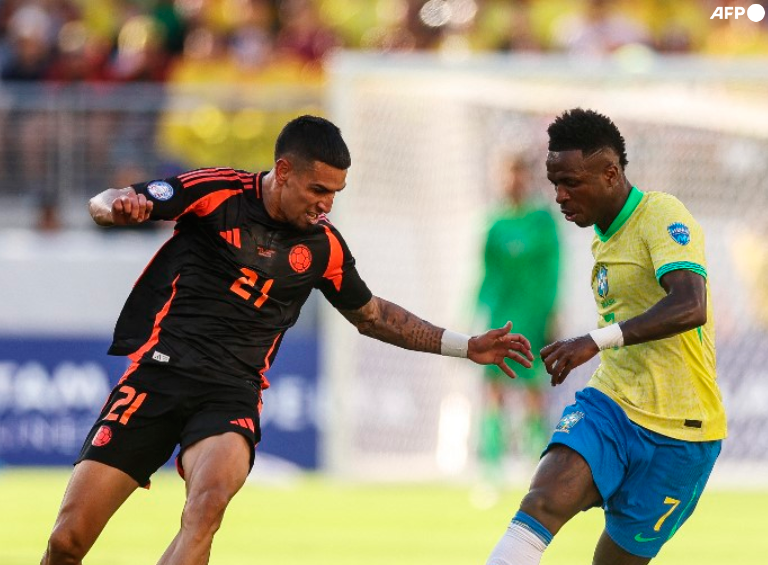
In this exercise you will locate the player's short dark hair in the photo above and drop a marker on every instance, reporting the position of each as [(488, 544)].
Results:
[(310, 138), (588, 131)]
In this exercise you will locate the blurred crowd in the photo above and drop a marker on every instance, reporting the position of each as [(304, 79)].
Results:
[(147, 40), (258, 47)]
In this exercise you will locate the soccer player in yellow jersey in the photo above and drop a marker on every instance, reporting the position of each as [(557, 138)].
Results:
[(642, 437)]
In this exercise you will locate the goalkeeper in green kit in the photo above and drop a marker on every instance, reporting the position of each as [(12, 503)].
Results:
[(521, 262)]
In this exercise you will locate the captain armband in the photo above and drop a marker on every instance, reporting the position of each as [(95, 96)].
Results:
[(608, 337), (454, 344)]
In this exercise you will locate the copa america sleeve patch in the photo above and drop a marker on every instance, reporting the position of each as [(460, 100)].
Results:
[(680, 233), (160, 190)]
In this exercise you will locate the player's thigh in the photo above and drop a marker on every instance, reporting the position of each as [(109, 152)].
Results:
[(94, 493), (562, 486), (217, 449), (583, 463), (217, 464), (221, 411)]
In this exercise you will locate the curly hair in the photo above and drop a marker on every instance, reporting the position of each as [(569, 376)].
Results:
[(588, 131)]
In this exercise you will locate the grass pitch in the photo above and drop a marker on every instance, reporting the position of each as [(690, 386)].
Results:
[(317, 521)]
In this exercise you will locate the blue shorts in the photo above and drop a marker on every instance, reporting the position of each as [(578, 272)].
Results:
[(650, 483)]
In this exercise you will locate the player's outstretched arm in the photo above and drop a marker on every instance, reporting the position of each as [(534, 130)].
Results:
[(683, 308), (119, 207), (393, 324)]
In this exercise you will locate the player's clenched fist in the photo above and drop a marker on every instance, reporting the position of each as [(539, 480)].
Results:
[(131, 208), (120, 207)]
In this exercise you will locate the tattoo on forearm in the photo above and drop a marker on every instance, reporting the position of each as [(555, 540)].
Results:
[(393, 324)]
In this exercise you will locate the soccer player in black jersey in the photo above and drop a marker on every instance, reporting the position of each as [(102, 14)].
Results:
[(204, 323)]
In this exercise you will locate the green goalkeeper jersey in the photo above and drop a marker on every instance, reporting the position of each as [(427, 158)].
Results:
[(521, 261)]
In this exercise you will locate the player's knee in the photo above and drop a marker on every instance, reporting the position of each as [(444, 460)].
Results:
[(536, 503), (205, 511), (546, 508), (65, 547)]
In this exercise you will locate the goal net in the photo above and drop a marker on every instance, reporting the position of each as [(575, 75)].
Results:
[(424, 134)]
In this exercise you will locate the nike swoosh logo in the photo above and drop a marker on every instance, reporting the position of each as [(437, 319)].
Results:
[(641, 539)]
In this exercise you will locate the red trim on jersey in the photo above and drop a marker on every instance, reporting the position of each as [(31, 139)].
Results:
[(258, 185), (247, 179), (333, 271), (264, 380), (136, 356), (198, 173), (211, 178), (192, 178), (209, 202)]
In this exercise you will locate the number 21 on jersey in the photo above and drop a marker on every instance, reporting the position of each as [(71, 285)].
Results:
[(242, 285)]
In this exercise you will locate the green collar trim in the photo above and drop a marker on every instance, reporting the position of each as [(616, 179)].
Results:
[(633, 200)]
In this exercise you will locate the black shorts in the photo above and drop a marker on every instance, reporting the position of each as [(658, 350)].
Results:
[(155, 409)]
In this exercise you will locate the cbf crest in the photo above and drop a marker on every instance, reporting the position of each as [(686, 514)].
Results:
[(602, 281), (568, 421), (680, 233)]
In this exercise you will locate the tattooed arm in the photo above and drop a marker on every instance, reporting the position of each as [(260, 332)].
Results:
[(393, 324)]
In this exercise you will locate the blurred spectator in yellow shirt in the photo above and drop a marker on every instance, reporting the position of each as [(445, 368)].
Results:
[(228, 92), (600, 29)]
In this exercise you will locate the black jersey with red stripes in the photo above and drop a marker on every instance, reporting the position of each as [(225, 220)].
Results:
[(217, 298)]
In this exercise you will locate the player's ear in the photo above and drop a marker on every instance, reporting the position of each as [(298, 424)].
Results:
[(612, 173), (283, 168)]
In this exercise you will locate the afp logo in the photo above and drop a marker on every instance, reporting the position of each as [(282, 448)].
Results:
[(755, 12)]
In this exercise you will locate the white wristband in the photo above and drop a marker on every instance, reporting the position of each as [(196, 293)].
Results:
[(454, 344), (607, 337)]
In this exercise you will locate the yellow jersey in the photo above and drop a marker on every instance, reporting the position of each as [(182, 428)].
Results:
[(668, 385)]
